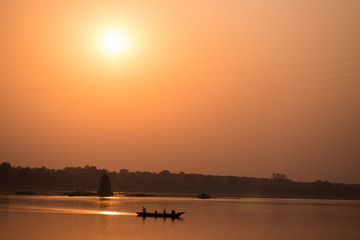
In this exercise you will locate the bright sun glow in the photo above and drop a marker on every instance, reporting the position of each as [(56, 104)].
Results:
[(114, 42)]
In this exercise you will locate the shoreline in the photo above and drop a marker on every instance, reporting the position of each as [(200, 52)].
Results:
[(135, 194)]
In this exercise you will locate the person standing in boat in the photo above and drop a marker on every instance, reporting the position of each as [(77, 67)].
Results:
[(164, 211), (144, 210)]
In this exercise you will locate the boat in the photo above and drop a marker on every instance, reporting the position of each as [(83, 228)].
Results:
[(166, 215), (204, 196), (139, 195)]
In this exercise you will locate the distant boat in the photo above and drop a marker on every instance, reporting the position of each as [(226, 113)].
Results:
[(204, 196), (139, 195), (166, 215)]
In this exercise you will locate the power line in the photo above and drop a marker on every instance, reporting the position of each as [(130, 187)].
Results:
[(192, 101), (194, 75), (189, 89)]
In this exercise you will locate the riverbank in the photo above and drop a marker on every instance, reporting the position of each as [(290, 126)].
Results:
[(44, 192)]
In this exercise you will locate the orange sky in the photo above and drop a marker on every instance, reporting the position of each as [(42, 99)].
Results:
[(243, 88)]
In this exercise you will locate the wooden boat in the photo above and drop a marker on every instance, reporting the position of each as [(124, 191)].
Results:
[(204, 196), (167, 215)]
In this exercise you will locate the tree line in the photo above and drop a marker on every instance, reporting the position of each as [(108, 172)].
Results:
[(87, 179)]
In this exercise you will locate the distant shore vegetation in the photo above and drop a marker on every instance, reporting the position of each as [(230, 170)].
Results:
[(87, 179)]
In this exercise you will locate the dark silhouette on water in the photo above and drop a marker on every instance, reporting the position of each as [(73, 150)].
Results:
[(204, 196), (105, 186), (172, 215)]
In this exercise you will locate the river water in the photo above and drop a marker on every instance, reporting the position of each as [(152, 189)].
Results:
[(62, 217)]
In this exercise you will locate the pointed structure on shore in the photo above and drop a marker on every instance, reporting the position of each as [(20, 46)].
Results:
[(105, 186)]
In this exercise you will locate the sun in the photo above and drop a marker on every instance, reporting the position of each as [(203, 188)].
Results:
[(113, 42)]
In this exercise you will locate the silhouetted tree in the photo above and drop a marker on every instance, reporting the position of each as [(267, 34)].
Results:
[(124, 171), (279, 176)]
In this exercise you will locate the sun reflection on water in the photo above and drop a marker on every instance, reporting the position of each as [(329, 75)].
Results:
[(77, 211), (114, 213)]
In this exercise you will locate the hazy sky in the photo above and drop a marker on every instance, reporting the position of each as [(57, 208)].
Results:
[(242, 87)]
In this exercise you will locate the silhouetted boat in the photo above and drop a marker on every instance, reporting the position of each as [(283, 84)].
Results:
[(139, 195), (166, 215), (204, 196)]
